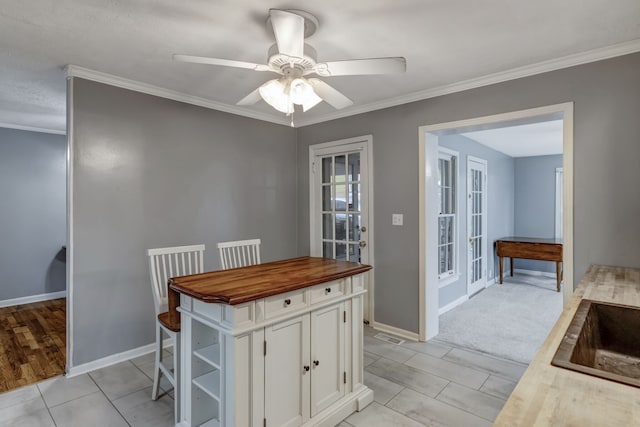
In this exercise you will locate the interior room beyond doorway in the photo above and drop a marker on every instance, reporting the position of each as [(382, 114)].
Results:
[(510, 188)]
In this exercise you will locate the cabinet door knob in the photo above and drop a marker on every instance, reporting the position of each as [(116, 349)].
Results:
[(316, 362), (327, 290), (306, 368), (287, 301)]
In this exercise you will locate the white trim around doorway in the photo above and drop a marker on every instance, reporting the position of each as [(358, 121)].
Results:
[(427, 149)]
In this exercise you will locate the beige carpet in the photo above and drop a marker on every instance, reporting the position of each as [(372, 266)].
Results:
[(510, 320)]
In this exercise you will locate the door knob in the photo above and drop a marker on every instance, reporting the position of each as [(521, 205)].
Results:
[(363, 228), (362, 243)]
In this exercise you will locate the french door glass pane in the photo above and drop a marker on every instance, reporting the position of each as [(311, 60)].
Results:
[(326, 170), (326, 198), (340, 168), (341, 197), (341, 227), (327, 249), (341, 251), (354, 197), (327, 226), (354, 227), (354, 253), (354, 167)]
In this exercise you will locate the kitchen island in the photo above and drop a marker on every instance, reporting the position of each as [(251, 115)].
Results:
[(552, 396), (275, 344)]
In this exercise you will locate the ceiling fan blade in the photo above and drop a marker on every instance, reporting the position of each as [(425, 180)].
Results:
[(250, 99), (289, 31), (330, 95), (362, 66), (223, 62)]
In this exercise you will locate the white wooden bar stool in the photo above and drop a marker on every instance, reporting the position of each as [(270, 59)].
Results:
[(165, 263), (240, 253)]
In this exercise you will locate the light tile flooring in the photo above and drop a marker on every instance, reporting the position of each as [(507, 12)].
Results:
[(414, 384)]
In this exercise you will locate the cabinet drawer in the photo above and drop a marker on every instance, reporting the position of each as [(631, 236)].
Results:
[(327, 291), (283, 303)]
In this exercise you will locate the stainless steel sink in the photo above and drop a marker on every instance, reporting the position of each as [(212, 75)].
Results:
[(603, 340)]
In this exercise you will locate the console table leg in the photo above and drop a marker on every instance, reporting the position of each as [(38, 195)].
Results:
[(511, 265), (501, 268), (558, 275)]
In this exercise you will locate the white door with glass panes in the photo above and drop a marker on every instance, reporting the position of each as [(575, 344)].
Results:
[(476, 224), (340, 195)]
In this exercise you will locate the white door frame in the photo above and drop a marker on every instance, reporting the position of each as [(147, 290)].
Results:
[(365, 144), (558, 204), (484, 223), (428, 167)]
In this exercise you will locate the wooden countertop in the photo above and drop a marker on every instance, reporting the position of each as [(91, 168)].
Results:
[(551, 396), (240, 285), (516, 239)]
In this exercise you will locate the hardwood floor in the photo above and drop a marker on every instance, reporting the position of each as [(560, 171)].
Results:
[(32, 343)]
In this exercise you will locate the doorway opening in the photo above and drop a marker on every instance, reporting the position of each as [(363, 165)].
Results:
[(474, 235)]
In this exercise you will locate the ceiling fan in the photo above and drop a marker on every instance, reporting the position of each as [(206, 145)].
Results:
[(294, 60)]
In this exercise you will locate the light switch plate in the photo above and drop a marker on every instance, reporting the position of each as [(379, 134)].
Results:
[(397, 219)]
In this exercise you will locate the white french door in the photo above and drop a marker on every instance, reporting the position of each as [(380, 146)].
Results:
[(340, 195), (476, 224)]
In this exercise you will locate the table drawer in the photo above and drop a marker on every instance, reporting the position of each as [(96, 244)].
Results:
[(537, 251), (326, 291), (280, 304)]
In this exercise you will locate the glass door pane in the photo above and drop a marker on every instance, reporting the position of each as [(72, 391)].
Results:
[(341, 214)]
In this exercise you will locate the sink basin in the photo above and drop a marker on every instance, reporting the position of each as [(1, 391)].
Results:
[(603, 340)]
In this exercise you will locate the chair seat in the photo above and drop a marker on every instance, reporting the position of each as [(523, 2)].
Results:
[(163, 318)]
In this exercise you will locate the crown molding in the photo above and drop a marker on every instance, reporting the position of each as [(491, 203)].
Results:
[(113, 80), (594, 55), (32, 129)]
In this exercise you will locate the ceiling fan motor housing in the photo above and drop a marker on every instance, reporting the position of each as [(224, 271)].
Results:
[(282, 62)]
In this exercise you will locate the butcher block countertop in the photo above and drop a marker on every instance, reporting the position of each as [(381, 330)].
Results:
[(551, 396), (244, 284), (240, 285)]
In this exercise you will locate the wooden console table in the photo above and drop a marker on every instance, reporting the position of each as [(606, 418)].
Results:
[(530, 248), (272, 344)]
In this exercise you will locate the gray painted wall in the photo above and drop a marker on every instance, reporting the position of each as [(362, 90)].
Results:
[(606, 152), (150, 172), (535, 203), (33, 219), (500, 206)]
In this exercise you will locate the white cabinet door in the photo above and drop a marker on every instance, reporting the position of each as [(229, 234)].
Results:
[(327, 357), (287, 379)]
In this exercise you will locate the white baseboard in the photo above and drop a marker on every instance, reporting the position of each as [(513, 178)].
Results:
[(452, 304), (535, 272), (33, 298), (412, 336), (491, 282), (115, 358)]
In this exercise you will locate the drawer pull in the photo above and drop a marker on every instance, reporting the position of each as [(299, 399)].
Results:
[(316, 362), (327, 290), (306, 368), (287, 302)]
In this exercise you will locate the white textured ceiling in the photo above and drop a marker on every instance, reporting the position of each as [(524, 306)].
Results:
[(534, 139), (445, 42)]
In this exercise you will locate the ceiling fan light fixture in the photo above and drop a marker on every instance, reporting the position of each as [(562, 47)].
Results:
[(274, 93), (281, 94), (302, 93)]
